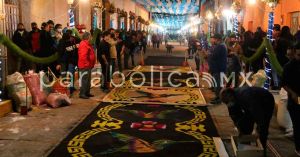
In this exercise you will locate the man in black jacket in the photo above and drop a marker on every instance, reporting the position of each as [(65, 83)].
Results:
[(217, 61), (20, 38), (290, 82), (47, 49), (68, 48), (248, 106), (103, 55)]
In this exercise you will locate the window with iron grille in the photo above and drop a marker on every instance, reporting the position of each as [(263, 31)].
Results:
[(12, 16)]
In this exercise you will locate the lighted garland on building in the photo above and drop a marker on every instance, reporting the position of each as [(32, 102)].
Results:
[(237, 8), (95, 21), (235, 26), (272, 4), (268, 68), (71, 18)]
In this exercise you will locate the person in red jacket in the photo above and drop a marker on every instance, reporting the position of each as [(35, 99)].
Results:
[(86, 62)]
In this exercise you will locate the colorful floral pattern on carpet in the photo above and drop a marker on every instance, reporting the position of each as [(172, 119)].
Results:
[(175, 96), (109, 131)]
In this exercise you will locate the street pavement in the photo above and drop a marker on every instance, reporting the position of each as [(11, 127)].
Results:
[(36, 134)]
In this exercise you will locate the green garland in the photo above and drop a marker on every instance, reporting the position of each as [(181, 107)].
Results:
[(272, 56), (273, 59), (259, 52), (42, 60), (95, 35), (19, 52), (75, 32)]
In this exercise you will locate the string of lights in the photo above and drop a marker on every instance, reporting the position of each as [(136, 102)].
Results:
[(268, 68), (171, 6)]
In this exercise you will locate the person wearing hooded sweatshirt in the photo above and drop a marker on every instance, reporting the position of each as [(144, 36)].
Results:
[(68, 48), (86, 62)]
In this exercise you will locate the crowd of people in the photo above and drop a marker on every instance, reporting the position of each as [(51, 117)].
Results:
[(114, 50), (224, 55)]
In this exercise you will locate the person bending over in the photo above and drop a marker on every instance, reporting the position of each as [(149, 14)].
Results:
[(248, 106)]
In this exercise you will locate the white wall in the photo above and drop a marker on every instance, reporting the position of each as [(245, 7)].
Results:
[(129, 5), (41, 11), (85, 14)]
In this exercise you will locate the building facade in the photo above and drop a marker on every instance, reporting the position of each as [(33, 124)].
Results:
[(287, 13), (125, 15)]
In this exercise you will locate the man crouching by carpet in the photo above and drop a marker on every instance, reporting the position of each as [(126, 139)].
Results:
[(248, 106)]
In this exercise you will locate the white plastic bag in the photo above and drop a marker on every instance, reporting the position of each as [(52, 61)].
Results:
[(259, 79), (18, 91), (283, 116)]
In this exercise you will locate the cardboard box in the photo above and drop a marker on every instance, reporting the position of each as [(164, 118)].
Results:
[(253, 148), (5, 107)]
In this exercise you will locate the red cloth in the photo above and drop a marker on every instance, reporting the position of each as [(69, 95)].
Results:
[(86, 55), (35, 41)]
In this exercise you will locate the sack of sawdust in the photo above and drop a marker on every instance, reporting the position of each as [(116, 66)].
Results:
[(18, 91), (259, 79)]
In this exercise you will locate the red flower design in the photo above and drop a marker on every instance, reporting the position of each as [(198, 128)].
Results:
[(148, 126)]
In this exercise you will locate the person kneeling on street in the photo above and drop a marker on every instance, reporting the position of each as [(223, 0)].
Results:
[(248, 106)]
